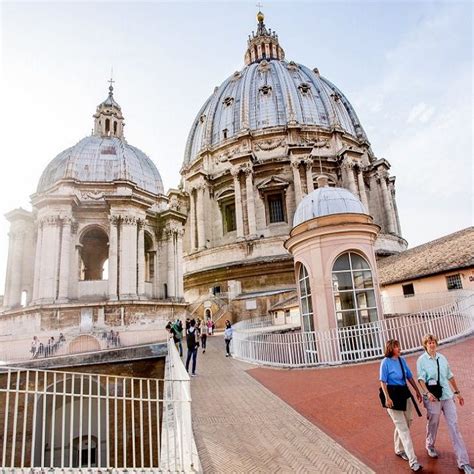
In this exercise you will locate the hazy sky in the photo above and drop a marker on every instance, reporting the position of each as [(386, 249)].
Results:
[(405, 66)]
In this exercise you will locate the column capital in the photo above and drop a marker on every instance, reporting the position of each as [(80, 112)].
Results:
[(114, 219), (308, 162), (247, 169), (381, 175), (172, 229), (50, 220), (129, 220), (235, 171), (295, 163)]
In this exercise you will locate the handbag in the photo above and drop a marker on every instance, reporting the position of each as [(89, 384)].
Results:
[(399, 394), (436, 390)]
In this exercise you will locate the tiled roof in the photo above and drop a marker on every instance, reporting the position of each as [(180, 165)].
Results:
[(287, 303), (454, 251)]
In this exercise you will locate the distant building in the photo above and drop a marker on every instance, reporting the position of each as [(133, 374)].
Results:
[(255, 149), (102, 245), (429, 272)]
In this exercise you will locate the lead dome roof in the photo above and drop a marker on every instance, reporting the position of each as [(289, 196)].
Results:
[(269, 92), (326, 201), (103, 160), (105, 156)]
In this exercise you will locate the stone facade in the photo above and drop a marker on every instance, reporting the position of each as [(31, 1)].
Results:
[(256, 149), (101, 231)]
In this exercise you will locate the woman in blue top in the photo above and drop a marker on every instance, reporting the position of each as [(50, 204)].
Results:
[(391, 373)]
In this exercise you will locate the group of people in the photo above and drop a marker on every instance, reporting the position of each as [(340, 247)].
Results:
[(38, 349), (112, 337), (196, 333), (437, 389)]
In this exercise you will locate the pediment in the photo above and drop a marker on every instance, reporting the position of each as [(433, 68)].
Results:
[(272, 183)]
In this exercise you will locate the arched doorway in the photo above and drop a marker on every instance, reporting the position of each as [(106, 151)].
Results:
[(84, 343), (94, 254)]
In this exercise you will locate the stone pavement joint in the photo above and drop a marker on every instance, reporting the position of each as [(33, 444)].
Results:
[(242, 427)]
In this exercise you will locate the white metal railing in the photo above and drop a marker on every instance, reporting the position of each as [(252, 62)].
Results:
[(177, 428), (253, 342), (69, 420)]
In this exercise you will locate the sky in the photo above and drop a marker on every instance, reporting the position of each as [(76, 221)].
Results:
[(406, 67)]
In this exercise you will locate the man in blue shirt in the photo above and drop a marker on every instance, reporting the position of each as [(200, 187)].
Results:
[(434, 371)]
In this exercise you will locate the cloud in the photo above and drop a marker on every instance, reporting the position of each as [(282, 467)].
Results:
[(421, 113)]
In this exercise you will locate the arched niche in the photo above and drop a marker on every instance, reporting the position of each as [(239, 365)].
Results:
[(94, 253)]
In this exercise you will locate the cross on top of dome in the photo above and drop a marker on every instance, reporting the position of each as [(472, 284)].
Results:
[(108, 118), (263, 44)]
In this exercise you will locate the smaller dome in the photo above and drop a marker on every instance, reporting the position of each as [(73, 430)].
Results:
[(326, 201)]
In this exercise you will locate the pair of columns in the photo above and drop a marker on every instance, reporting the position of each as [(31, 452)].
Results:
[(387, 202), (308, 167), (126, 257), (350, 170), (53, 258), (250, 200)]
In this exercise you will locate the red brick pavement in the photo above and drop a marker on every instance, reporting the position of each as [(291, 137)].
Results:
[(344, 403)]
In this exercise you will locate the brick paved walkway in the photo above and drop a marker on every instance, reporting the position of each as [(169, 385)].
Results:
[(241, 427), (343, 401)]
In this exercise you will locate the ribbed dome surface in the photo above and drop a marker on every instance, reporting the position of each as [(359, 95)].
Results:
[(268, 94), (103, 159), (327, 201)]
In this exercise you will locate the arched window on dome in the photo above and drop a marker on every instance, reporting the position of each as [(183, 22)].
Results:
[(107, 126), (353, 290), (306, 304), (94, 254), (115, 127)]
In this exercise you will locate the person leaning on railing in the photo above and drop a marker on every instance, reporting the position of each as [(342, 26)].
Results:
[(439, 391), (394, 373)]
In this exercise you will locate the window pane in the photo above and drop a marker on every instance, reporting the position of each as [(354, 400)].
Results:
[(363, 279), (342, 281), (304, 305), (342, 263), (372, 315), (310, 305), (275, 208), (359, 263), (348, 318), (229, 218), (364, 316), (365, 299), (344, 300)]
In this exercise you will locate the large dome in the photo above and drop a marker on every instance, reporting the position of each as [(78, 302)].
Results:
[(270, 93), (326, 201), (103, 159)]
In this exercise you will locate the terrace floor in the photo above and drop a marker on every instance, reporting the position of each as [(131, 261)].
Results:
[(255, 419)]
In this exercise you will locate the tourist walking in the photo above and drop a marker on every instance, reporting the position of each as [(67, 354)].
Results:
[(228, 332), (204, 339), (439, 390), (210, 326), (192, 342), (178, 335), (34, 347), (394, 373)]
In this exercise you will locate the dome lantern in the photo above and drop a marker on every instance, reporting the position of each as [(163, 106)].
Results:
[(263, 44), (108, 118)]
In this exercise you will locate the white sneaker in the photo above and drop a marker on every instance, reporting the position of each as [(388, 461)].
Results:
[(432, 453), (416, 467), (467, 468)]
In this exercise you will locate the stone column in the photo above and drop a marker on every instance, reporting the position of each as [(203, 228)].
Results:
[(37, 275), (362, 190), (349, 181), (238, 203), (309, 175), (250, 201), (128, 258), (395, 208), (171, 260), (49, 259), (382, 176), (179, 267), (201, 227), (141, 257), (64, 268), (192, 220), (113, 256), (295, 167), (13, 295)]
